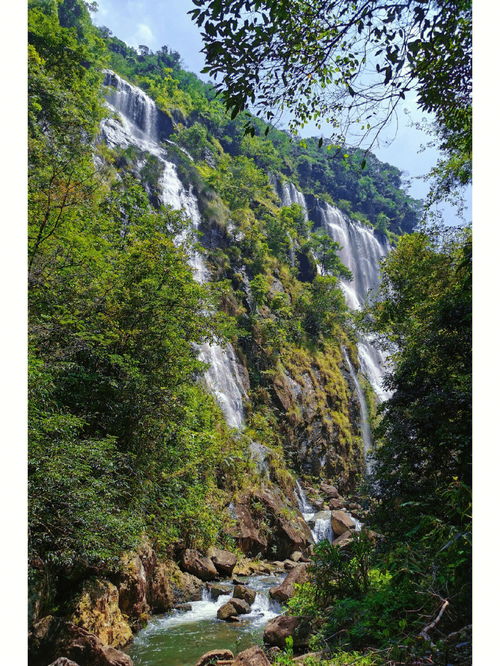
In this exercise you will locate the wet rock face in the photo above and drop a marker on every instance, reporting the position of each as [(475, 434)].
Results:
[(253, 656), (286, 589), (196, 564), (313, 394), (269, 524), (279, 628), (133, 589), (65, 644), (249, 538)]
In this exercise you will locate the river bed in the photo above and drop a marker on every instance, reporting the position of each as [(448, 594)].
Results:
[(179, 638)]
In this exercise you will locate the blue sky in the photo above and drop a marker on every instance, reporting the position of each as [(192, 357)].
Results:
[(158, 22)]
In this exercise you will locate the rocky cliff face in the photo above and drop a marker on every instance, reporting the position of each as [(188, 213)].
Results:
[(293, 406), (318, 406)]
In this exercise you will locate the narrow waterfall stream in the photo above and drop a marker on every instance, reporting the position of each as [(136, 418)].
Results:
[(364, 421), (361, 252), (138, 123), (179, 638), (320, 522)]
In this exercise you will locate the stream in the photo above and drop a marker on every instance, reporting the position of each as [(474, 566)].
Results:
[(179, 638)]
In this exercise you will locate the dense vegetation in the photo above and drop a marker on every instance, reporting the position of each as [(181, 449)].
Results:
[(124, 442), (384, 599), (349, 64), (357, 182), (121, 439)]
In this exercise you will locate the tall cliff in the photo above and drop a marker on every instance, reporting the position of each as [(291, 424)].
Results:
[(193, 350)]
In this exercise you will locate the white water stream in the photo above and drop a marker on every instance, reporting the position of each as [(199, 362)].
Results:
[(138, 123), (320, 522), (180, 637)]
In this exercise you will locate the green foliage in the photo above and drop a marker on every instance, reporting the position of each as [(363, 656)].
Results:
[(421, 487), (325, 250), (425, 311), (312, 59), (324, 306), (358, 181), (337, 572), (123, 440)]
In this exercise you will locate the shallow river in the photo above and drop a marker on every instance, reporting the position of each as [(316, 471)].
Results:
[(179, 638)]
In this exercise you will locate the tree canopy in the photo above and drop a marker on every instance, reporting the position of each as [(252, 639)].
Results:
[(346, 63)]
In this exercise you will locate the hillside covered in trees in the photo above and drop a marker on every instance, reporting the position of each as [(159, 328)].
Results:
[(213, 304)]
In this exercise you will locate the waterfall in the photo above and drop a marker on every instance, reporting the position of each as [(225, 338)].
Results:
[(140, 124), (361, 252), (320, 522), (288, 193), (305, 507), (364, 423)]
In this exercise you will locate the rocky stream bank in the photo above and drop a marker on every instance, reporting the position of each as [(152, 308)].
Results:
[(242, 592)]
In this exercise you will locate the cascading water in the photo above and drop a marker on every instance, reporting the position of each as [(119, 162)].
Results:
[(361, 252), (140, 124), (320, 522), (288, 193), (365, 423), (181, 637), (305, 507)]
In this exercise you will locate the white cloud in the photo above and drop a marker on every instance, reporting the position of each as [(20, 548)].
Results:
[(144, 35)]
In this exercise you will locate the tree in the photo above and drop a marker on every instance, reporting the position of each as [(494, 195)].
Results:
[(424, 313), (344, 62), (325, 250)]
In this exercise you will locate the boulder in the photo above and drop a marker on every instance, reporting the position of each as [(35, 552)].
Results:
[(226, 611), (62, 661), (307, 658), (97, 611), (250, 541), (296, 556), (372, 536), (286, 530), (245, 593), (288, 564), (329, 490), (81, 646), (335, 503), (239, 581), (223, 560), (265, 568), (343, 540), (217, 591), (240, 605), (213, 656), (183, 607), (187, 588), (196, 564), (286, 589), (341, 522), (279, 628), (160, 590), (253, 656)]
